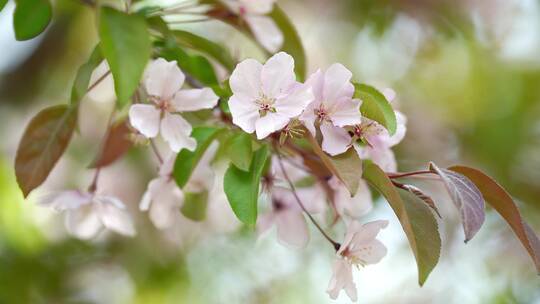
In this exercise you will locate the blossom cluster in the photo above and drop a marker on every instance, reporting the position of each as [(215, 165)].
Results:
[(266, 99)]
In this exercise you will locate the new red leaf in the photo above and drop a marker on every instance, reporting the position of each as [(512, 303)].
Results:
[(116, 144), (43, 142)]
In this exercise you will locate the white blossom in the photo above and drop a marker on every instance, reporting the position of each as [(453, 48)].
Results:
[(87, 213), (163, 81), (266, 97)]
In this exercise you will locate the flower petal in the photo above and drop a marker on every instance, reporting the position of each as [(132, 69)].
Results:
[(370, 252), (356, 206), (296, 102), (64, 200), (194, 100), (265, 222), (308, 117), (245, 80), (114, 216), (266, 32), (165, 207), (155, 187), (145, 118), (270, 123), (346, 112), (337, 84), (336, 140), (278, 76), (291, 228), (342, 279), (176, 132), (367, 232), (83, 222), (244, 113), (163, 78)]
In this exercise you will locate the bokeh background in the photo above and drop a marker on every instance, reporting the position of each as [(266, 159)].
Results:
[(467, 75)]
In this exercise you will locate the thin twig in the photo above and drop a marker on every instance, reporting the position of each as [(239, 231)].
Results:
[(156, 151), (335, 244), (100, 79), (93, 186), (406, 174)]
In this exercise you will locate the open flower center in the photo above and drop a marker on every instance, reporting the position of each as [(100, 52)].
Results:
[(266, 104), (322, 114), (162, 104)]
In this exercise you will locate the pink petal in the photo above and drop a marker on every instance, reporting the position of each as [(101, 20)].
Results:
[(166, 206), (292, 229), (113, 215), (265, 222), (145, 118), (163, 78), (194, 100), (316, 81), (266, 32), (335, 140), (83, 222), (270, 123), (155, 187), (259, 7), (370, 252), (308, 117), (337, 84), (342, 279), (366, 233), (245, 80), (355, 206), (278, 76), (244, 113), (65, 200), (176, 132), (294, 103), (346, 112)]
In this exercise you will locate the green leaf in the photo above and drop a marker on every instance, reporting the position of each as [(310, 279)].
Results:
[(415, 217), (44, 141), (195, 204), (186, 161), (503, 203), (195, 66), (376, 107), (207, 47), (240, 150), (292, 43), (30, 18), (2, 4), (82, 79), (242, 188), (125, 43), (346, 166)]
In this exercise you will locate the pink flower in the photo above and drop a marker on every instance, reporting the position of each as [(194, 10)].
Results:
[(263, 27), (266, 97), (356, 206), (378, 142), (87, 213), (360, 247), (163, 81), (163, 198), (333, 108)]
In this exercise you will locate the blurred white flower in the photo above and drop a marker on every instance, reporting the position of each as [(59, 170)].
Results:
[(354, 207), (360, 247), (163, 198), (163, 81), (87, 213), (266, 97), (263, 27), (333, 108)]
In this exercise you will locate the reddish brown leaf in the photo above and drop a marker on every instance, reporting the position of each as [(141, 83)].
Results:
[(44, 141), (503, 203), (115, 146), (424, 197)]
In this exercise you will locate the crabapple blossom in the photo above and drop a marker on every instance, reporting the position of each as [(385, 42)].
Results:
[(360, 247), (377, 142), (87, 213), (333, 108), (163, 198), (163, 81), (263, 27), (354, 207), (266, 97)]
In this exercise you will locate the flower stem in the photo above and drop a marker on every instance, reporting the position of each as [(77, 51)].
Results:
[(406, 174), (156, 151), (335, 244)]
